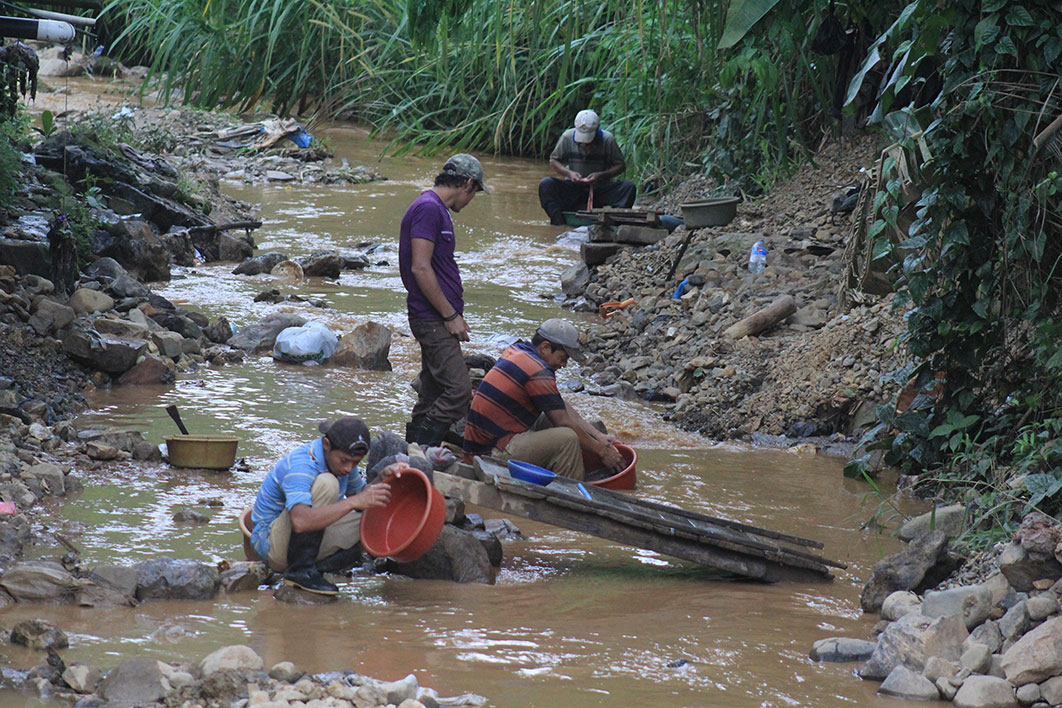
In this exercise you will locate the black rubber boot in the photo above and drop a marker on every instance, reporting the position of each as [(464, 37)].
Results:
[(302, 572), (413, 429), (430, 433), (341, 561)]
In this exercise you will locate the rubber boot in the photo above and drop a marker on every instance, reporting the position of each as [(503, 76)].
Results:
[(341, 561), (302, 570), (431, 433), (413, 429)]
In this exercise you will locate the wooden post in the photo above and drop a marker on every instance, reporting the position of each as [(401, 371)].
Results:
[(782, 307)]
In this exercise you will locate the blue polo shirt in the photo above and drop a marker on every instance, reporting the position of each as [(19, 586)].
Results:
[(289, 484)]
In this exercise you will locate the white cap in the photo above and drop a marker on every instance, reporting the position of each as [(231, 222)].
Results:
[(586, 125)]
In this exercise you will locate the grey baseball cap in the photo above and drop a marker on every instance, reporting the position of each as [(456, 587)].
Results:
[(563, 333), (464, 165)]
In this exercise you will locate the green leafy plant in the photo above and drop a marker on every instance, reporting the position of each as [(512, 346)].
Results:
[(47, 126)]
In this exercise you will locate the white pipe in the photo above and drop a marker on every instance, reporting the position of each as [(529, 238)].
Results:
[(63, 17), (41, 30)]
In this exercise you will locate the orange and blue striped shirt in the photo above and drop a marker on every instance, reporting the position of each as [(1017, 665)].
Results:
[(519, 388)]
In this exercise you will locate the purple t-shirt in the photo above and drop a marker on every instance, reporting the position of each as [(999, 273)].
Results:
[(428, 218)]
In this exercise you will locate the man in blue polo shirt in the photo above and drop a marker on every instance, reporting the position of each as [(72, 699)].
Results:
[(308, 511), (435, 300)]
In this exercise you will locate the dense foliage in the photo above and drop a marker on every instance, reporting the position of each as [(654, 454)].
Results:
[(980, 264), (509, 76)]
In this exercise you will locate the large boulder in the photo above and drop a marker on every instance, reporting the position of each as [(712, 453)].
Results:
[(149, 370), (1022, 568), (841, 649), (40, 581), (86, 301), (366, 347), (232, 658), (575, 279), (326, 264), (260, 264), (921, 565), (973, 602), (135, 682), (1036, 656), (50, 316), (137, 247), (985, 692), (113, 355), (911, 640), (456, 555), (176, 579), (263, 335), (948, 519), (902, 682), (38, 634)]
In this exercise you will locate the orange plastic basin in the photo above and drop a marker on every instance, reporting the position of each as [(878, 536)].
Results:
[(407, 527), (625, 479)]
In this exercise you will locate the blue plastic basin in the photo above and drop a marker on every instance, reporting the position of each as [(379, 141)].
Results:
[(526, 472)]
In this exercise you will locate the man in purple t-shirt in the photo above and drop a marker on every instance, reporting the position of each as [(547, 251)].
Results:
[(435, 301)]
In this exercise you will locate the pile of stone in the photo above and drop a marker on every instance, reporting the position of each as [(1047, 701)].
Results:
[(994, 644), (232, 675)]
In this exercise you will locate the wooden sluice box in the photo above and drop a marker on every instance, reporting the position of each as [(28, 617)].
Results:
[(729, 546)]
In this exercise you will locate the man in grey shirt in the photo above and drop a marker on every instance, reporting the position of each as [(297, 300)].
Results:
[(586, 159)]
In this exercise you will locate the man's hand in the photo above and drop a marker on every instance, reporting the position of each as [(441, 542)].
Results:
[(459, 328), (592, 177), (378, 494), (611, 458)]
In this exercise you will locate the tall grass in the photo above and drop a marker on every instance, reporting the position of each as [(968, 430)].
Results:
[(503, 75)]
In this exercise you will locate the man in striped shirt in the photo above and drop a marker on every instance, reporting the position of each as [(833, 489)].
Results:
[(308, 511), (523, 386)]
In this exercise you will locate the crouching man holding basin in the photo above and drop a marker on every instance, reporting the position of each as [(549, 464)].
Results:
[(308, 511)]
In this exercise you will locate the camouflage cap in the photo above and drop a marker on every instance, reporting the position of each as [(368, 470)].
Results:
[(464, 165)]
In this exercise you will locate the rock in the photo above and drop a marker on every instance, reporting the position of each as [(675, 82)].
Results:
[(126, 285), (294, 596), (151, 370), (1041, 607), (948, 519), (176, 579), (51, 476), (105, 270), (923, 564), (595, 254), (987, 634), (1028, 694), (322, 264), (40, 581), (367, 347), (1036, 656), (1050, 690), (220, 331), (263, 263), (235, 657), (904, 683), (109, 586), (50, 316), (1015, 622), (384, 693), (457, 555), (112, 355), (120, 328), (133, 683), (639, 235), (179, 323), (574, 280), (285, 671), (244, 576), (38, 634), (85, 301), (170, 344), (900, 603), (809, 316), (1021, 569), (977, 658), (985, 692), (263, 335), (190, 516), (98, 450), (936, 668), (234, 248), (972, 602), (911, 640), (841, 649), (81, 677)]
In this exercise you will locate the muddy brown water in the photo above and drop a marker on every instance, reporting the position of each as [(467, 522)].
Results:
[(573, 620)]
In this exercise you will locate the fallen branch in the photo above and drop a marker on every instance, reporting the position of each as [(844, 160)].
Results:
[(777, 311), (215, 228)]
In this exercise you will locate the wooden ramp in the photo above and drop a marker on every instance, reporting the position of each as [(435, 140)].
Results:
[(740, 549)]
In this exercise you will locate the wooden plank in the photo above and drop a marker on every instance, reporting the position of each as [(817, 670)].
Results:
[(536, 505)]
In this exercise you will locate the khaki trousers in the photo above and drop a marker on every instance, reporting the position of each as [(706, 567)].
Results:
[(341, 535), (556, 449)]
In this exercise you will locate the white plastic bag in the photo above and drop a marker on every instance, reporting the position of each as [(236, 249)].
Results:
[(309, 344)]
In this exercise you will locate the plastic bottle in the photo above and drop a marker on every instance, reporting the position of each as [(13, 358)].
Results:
[(758, 257)]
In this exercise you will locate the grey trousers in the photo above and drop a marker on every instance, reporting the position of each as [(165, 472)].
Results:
[(445, 389)]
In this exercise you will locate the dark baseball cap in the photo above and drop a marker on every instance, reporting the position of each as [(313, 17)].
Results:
[(467, 166), (347, 434), (562, 333)]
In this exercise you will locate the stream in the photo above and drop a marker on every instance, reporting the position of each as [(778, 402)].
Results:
[(572, 620)]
